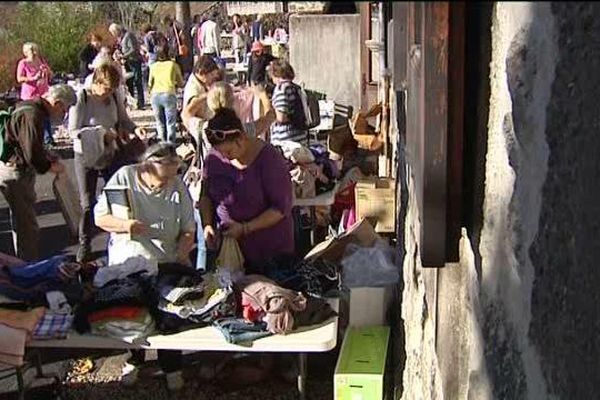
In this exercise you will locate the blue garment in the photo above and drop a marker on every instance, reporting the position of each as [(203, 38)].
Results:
[(240, 331), (48, 139), (34, 273), (201, 256), (30, 282), (164, 106)]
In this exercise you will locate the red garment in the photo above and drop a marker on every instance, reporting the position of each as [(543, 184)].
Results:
[(120, 312), (249, 312)]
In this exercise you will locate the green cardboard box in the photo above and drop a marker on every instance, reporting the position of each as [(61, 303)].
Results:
[(361, 364)]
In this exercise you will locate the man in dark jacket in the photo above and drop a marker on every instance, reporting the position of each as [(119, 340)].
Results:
[(130, 53), (87, 55), (257, 65), (25, 157)]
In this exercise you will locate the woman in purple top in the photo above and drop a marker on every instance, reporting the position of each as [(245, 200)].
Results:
[(247, 192)]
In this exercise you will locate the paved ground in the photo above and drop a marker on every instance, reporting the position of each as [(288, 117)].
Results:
[(102, 382)]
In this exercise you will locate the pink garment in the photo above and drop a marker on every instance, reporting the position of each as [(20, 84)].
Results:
[(12, 345), (242, 104), (30, 90), (199, 36), (279, 304)]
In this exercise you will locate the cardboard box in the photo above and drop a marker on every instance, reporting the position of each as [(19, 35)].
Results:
[(368, 306), (360, 369), (376, 200), (332, 249)]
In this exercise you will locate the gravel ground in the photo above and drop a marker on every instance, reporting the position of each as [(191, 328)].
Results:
[(103, 381)]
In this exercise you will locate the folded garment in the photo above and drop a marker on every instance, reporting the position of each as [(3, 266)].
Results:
[(240, 331), (130, 266), (189, 308), (36, 293), (278, 303), (120, 289), (135, 290), (12, 345), (26, 320), (33, 273), (117, 313), (249, 311), (125, 330), (53, 326)]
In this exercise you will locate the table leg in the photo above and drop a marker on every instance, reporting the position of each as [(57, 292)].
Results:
[(20, 383), (302, 361), (313, 225)]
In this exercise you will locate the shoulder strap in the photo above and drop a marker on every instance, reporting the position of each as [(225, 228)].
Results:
[(176, 35)]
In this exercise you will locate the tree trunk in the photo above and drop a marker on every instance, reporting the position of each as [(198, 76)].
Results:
[(182, 15)]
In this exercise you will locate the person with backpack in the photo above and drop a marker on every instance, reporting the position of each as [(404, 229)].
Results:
[(290, 116), (97, 108), (22, 155)]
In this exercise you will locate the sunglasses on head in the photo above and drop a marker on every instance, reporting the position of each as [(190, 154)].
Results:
[(167, 160), (220, 134)]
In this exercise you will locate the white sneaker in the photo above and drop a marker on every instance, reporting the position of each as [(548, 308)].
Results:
[(175, 381), (129, 374)]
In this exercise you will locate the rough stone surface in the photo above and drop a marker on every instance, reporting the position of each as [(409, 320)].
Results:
[(532, 321), (565, 321)]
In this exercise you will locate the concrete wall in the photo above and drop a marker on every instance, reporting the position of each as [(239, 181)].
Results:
[(325, 53), (526, 326)]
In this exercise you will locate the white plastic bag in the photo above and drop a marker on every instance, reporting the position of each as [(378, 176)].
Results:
[(369, 266)]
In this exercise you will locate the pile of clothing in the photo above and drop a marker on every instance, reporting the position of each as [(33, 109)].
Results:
[(311, 170), (188, 300), (119, 306), (35, 302), (138, 298)]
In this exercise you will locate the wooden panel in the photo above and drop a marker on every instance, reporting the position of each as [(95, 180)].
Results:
[(435, 62), (456, 114), (399, 45)]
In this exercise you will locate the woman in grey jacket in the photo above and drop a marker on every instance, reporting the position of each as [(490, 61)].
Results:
[(96, 107)]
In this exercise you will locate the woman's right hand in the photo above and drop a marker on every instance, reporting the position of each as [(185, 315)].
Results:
[(210, 237), (135, 227)]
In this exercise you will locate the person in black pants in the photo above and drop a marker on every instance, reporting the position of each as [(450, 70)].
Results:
[(257, 65), (130, 54), (99, 105)]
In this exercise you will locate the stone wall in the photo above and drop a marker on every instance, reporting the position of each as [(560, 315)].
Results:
[(530, 320), (325, 53)]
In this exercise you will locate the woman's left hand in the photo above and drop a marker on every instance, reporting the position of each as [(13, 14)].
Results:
[(234, 230)]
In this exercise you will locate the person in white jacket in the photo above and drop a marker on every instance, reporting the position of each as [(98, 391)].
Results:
[(211, 37)]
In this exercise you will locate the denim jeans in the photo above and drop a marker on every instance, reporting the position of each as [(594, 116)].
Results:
[(239, 331), (164, 106)]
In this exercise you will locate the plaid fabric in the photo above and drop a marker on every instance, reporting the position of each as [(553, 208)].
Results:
[(53, 326)]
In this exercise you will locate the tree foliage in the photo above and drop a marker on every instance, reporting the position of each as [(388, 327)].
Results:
[(60, 29)]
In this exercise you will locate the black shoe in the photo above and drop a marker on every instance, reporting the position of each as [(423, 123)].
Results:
[(84, 253)]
